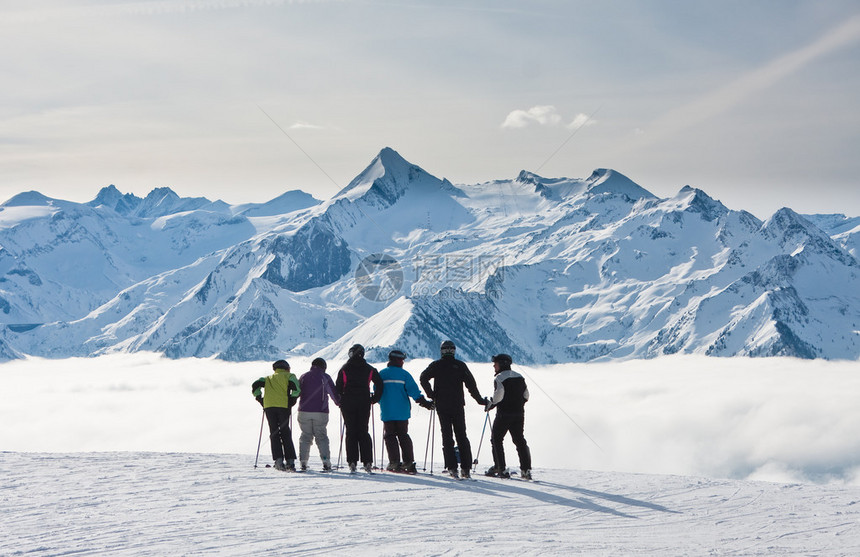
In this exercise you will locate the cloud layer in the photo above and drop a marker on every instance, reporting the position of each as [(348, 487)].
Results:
[(766, 419)]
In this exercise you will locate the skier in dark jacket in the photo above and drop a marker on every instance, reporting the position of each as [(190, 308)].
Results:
[(509, 399), (353, 385), (395, 411), (278, 393), (449, 376), (317, 388)]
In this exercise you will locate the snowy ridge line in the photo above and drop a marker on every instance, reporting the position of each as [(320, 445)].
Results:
[(549, 270), (157, 503)]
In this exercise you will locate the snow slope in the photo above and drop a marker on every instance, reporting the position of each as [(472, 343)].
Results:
[(217, 504)]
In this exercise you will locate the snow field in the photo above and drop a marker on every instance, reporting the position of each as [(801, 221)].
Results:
[(218, 504)]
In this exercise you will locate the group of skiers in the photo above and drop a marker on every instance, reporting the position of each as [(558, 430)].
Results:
[(392, 388)]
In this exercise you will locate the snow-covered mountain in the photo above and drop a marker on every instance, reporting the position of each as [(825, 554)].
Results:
[(547, 269)]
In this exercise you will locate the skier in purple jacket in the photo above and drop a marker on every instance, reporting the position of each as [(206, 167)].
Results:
[(317, 387)]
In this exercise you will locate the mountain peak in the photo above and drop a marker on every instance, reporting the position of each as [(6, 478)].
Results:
[(389, 176), (795, 233), (606, 180), (110, 196), (785, 220), (698, 201), (293, 200), (526, 177), (392, 159), (28, 198)]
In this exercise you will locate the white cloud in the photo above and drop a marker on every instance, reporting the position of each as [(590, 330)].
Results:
[(543, 115), (581, 120), (302, 125), (773, 419)]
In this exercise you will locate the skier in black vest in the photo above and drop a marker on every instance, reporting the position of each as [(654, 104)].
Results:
[(353, 385), (449, 376), (509, 399)]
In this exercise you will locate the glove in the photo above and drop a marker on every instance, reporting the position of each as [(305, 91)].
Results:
[(259, 399), (424, 403), (488, 404)]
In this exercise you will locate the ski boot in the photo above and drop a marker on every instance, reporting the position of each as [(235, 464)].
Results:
[(496, 473), (454, 473), (525, 473), (279, 465)]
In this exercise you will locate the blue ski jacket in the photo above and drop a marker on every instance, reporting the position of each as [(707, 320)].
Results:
[(399, 388)]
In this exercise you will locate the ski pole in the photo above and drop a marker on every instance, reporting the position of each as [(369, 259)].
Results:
[(427, 446), (481, 442), (340, 450), (260, 441), (432, 443), (373, 429), (382, 443)]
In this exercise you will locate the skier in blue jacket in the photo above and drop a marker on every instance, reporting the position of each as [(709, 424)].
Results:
[(395, 411)]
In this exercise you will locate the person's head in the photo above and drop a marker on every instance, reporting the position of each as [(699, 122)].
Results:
[(396, 358), (319, 362), (281, 364), (501, 362), (356, 351), (447, 348)]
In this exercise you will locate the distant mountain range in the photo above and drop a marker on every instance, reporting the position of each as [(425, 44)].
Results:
[(546, 269)]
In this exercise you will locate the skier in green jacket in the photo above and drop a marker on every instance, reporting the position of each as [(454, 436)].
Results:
[(278, 394)]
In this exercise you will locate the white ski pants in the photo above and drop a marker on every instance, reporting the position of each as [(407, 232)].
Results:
[(314, 426)]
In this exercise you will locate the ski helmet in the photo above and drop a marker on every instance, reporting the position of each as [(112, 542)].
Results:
[(447, 348), (319, 362), (356, 351), (503, 360), (396, 355), (281, 364)]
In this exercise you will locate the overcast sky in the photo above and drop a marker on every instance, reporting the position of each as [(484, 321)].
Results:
[(754, 102)]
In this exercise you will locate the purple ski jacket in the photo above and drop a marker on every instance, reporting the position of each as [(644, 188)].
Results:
[(316, 387)]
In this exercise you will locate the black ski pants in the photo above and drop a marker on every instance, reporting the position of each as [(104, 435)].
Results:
[(280, 434), (454, 426), (358, 441), (513, 423), (396, 435)]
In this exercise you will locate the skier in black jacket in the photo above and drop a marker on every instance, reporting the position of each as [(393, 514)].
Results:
[(449, 376), (509, 399), (353, 385)]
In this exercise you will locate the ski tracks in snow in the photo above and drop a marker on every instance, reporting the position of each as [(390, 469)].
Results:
[(193, 504)]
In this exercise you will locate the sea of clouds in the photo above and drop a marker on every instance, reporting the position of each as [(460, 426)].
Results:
[(774, 419)]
